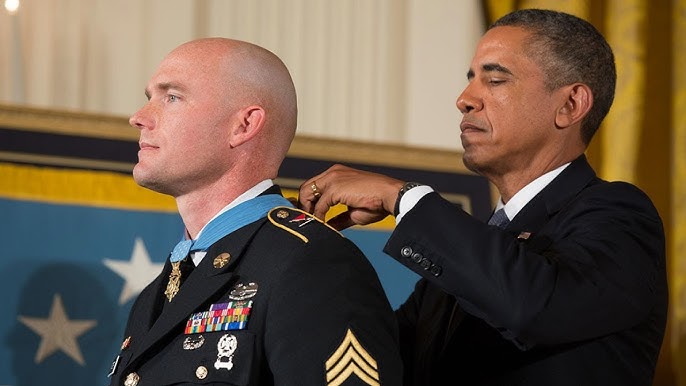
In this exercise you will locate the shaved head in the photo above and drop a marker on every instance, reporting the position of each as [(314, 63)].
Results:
[(249, 75), (220, 117)]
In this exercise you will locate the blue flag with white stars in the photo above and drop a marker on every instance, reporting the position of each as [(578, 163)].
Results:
[(70, 275)]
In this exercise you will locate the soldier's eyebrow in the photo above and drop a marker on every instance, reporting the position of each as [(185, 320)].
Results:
[(164, 86)]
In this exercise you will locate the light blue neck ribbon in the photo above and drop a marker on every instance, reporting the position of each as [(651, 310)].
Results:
[(227, 222)]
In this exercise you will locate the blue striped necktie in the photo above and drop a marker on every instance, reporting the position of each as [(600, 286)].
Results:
[(499, 219)]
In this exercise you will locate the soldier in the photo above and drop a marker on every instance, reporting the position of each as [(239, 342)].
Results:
[(258, 292)]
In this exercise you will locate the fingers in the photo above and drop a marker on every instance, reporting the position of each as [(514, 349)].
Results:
[(368, 196), (341, 221), (315, 190), (314, 195), (312, 201)]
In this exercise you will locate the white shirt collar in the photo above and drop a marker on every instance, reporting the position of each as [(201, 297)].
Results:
[(521, 198)]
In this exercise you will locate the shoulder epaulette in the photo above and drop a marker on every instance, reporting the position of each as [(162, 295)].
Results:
[(295, 221)]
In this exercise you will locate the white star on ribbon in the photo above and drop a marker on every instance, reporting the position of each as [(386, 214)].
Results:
[(58, 332), (137, 272)]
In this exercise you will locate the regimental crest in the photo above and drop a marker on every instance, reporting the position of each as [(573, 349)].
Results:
[(351, 359), (295, 221)]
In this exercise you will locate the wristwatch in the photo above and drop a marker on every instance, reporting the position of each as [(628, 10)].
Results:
[(406, 187)]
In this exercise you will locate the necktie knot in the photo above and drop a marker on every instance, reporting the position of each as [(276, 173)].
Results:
[(499, 219)]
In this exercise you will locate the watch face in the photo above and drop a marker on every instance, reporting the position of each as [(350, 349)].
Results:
[(409, 185)]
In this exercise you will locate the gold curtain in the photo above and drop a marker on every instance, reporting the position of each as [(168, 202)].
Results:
[(643, 139)]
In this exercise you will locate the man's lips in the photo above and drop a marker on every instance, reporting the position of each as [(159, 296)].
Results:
[(146, 145), (467, 126)]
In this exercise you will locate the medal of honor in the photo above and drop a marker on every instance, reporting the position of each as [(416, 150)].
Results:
[(174, 281)]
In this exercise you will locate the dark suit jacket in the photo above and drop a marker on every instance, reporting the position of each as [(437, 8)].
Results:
[(318, 299), (572, 292)]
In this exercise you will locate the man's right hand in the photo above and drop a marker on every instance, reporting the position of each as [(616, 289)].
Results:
[(370, 197)]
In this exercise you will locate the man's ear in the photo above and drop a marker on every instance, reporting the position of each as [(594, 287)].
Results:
[(251, 120), (577, 103)]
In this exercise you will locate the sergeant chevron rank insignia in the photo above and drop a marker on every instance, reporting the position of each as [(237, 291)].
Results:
[(351, 358)]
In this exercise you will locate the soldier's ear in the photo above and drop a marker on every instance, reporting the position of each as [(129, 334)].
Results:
[(251, 120)]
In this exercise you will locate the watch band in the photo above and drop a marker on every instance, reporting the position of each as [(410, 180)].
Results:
[(407, 186)]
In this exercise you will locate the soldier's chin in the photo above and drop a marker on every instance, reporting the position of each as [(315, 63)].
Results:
[(146, 180), (139, 175)]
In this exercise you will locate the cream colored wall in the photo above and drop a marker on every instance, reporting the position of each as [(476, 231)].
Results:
[(372, 70), (441, 40)]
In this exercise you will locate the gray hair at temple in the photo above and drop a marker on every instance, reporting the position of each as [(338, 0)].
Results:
[(570, 50)]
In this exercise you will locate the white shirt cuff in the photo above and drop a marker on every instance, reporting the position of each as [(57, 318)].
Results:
[(410, 199)]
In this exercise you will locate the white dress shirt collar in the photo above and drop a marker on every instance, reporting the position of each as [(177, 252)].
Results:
[(521, 198)]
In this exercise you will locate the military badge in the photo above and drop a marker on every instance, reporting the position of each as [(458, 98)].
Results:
[(174, 281), (294, 220), (221, 260), (126, 343), (243, 291), (192, 343), (302, 220), (113, 366), (226, 346)]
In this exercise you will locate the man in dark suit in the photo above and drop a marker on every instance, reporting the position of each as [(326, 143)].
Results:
[(566, 284), (258, 292)]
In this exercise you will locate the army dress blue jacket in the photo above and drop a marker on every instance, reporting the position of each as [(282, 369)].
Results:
[(285, 300)]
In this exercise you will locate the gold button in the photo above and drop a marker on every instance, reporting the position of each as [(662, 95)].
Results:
[(201, 372), (132, 379), (221, 260)]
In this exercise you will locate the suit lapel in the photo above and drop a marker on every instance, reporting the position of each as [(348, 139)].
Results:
[(535, 214), (553, 197), (203, 283)]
